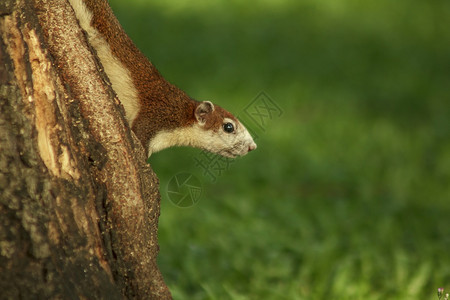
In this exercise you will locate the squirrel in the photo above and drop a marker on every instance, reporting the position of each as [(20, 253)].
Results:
[(160, 114)]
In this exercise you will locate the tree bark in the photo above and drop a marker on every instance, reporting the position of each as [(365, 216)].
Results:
[(79, 205)]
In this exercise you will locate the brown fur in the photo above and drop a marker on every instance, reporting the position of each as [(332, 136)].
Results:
[(215, 120), (163, 106)]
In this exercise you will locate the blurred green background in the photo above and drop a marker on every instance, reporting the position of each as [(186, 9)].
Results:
[(348, 193)]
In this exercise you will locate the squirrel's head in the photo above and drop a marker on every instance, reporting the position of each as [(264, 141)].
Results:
[(222, 133), (210, 128)]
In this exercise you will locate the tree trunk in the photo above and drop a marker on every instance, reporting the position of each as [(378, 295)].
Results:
[(79, 206)]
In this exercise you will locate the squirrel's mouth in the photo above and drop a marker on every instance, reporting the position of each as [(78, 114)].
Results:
[(229, 155), (235, 152)]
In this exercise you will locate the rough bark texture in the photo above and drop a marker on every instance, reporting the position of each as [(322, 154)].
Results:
[(79, 206)]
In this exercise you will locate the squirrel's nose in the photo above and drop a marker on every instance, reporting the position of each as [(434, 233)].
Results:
[(251, 147)]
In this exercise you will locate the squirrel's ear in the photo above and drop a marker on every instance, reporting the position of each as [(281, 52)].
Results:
[(202, 110)]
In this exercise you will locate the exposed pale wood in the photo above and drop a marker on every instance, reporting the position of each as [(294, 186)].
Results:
[(79, 206)]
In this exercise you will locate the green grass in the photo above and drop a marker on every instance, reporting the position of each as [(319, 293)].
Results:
[(348, 193)]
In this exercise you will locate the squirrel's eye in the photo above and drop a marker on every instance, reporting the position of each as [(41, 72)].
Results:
[(228, 127)]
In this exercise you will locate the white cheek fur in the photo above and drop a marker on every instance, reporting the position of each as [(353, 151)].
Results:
[(220, 142)]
